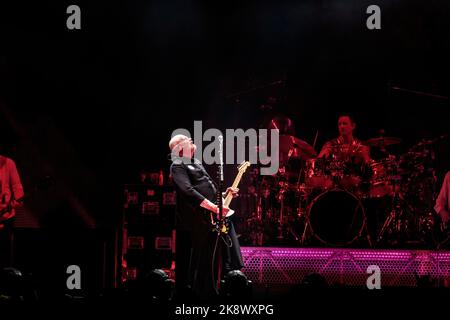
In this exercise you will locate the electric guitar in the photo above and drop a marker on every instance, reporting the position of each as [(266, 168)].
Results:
[(229, 196), (7, 211)]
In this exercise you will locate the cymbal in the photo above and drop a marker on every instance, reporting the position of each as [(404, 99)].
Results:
[(382, 141), (283, 124), (293, 147), (428, 142)]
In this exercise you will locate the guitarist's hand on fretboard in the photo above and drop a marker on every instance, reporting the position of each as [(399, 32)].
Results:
[(234, 192)]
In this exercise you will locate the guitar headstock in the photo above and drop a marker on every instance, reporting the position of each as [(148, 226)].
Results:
[(243, 166)]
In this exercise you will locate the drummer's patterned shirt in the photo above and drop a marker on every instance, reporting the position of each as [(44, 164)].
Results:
[(338, 149)]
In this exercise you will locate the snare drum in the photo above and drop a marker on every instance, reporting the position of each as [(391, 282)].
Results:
[(317, 174)]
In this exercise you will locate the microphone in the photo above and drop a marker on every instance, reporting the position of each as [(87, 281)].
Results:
[(221, 157)]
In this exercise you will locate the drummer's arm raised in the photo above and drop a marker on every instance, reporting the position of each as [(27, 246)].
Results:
[(326, 150)]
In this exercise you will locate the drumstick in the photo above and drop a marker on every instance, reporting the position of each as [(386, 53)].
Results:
[(315, 139), (301, 168)]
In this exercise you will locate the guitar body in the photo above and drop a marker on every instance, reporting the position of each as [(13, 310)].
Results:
[(221, 226)]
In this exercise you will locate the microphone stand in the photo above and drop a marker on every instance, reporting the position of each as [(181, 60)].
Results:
[(220, 185), (217, 264)]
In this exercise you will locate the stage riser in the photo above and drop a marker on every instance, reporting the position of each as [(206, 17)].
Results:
[(277, 266)]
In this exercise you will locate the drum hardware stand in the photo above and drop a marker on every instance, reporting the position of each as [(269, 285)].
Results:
[(443, 243), (305, 212), (257, 235), (369, 239), (365, 228), (282, 223), (304, 232), (389, 220), (301, 214), (293, 233), (280, 219), (394, 215), (305, 229)]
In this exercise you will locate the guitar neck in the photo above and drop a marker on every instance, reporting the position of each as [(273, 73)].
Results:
[(229, 196)]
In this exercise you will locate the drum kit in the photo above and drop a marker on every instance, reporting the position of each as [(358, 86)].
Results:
[(341, 200)]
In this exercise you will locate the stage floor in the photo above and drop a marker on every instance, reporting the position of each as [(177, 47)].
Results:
[(346, 267)]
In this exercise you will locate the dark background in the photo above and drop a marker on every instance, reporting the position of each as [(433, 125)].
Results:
[(94, 107)]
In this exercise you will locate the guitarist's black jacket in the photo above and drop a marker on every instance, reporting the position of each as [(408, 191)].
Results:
[(195, 236), (193, 184)]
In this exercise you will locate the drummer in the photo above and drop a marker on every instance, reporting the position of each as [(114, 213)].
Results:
[(346, 147)]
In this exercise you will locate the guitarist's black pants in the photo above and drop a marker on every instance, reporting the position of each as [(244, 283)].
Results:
[(6, 244), (202, 257)]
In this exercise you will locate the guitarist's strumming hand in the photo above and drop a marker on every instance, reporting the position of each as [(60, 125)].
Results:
[(225, 211), (215, 209)]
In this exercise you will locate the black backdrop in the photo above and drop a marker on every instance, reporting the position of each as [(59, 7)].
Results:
[(94, 107)]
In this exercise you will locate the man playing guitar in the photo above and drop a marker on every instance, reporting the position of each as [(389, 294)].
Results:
[(11, 190), (198, 247)]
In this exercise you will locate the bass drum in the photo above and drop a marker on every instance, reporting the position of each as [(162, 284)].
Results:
[(336, 217)]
